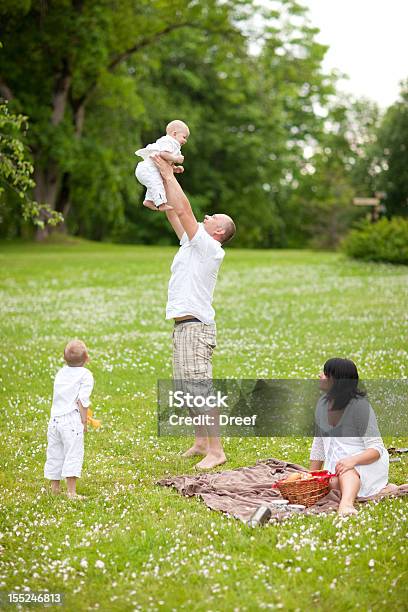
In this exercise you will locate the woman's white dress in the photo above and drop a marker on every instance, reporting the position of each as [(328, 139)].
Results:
[(330, 448)]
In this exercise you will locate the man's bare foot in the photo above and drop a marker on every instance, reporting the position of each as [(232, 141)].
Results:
[(346, 510), (211, 461), (149, 204), (195, 450), (164, 207), (55, 491)]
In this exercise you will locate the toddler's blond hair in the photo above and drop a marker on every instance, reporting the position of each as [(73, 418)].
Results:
[(76, 353)]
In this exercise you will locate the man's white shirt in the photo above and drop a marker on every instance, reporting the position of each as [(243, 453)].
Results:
[(193, 277), (71, 384)]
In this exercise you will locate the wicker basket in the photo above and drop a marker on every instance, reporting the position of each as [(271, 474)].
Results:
[(306, 492)]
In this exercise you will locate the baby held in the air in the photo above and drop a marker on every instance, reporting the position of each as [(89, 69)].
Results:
[(169, 148)]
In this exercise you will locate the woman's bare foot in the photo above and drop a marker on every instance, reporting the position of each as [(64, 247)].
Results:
[(195, 450), (346, 510), (211, 461)]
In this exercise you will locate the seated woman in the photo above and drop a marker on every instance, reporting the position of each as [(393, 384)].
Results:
[(348, 441)]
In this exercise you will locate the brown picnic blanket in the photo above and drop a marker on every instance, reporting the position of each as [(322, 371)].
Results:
[(239, 492)]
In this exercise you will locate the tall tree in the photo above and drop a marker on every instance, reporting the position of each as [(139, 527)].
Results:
[(115, 75), (58, 52), (336, 168), (251, 109), (392, 156)]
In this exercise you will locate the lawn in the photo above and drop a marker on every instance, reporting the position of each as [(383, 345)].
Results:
[(132, 545)]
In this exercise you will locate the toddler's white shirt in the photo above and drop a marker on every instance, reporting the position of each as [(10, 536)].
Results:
[(71, 384), (165, 143)]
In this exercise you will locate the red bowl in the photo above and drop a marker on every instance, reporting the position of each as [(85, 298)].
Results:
[(322, 474), (317, 474)]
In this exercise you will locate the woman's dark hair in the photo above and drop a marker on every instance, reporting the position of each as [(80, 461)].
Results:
[(344, 375)]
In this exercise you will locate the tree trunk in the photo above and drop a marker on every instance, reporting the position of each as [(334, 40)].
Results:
[(47, 185), (63, 196), (64, 202), (48, 180)]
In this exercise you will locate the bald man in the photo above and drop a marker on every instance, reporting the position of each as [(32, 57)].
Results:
[(191, 287)]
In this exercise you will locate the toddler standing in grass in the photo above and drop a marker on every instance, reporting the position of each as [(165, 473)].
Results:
[(72, 389)]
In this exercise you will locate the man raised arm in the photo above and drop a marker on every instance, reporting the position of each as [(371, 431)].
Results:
[(177, 199), (191, 287)]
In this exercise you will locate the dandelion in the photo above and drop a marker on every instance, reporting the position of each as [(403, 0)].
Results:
[(99, 564)]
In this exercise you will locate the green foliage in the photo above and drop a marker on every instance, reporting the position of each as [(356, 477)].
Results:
[(114, 77), (393, 146), (268, 145), (240, 155), (16, 171), (382, 161), (386, 240), (319, 208)]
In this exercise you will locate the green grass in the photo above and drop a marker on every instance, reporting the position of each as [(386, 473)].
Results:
[(279, 314)]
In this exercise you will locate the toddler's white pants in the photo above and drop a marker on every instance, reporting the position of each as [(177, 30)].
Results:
[(65, 451), (148, 175)]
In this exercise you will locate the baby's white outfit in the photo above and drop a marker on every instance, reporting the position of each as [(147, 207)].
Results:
[(65, 451), (358, 418), (147, 172)]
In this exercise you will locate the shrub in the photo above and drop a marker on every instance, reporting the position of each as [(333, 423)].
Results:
[(386, 240)]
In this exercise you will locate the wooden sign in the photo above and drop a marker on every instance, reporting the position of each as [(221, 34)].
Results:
[(366, 201)]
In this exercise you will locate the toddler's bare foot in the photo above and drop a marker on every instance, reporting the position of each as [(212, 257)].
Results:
[(55, 487), (178, 169), (149, 204), (164, 207), (346, 510), (195, 450), (75, 496), (211, 461)]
